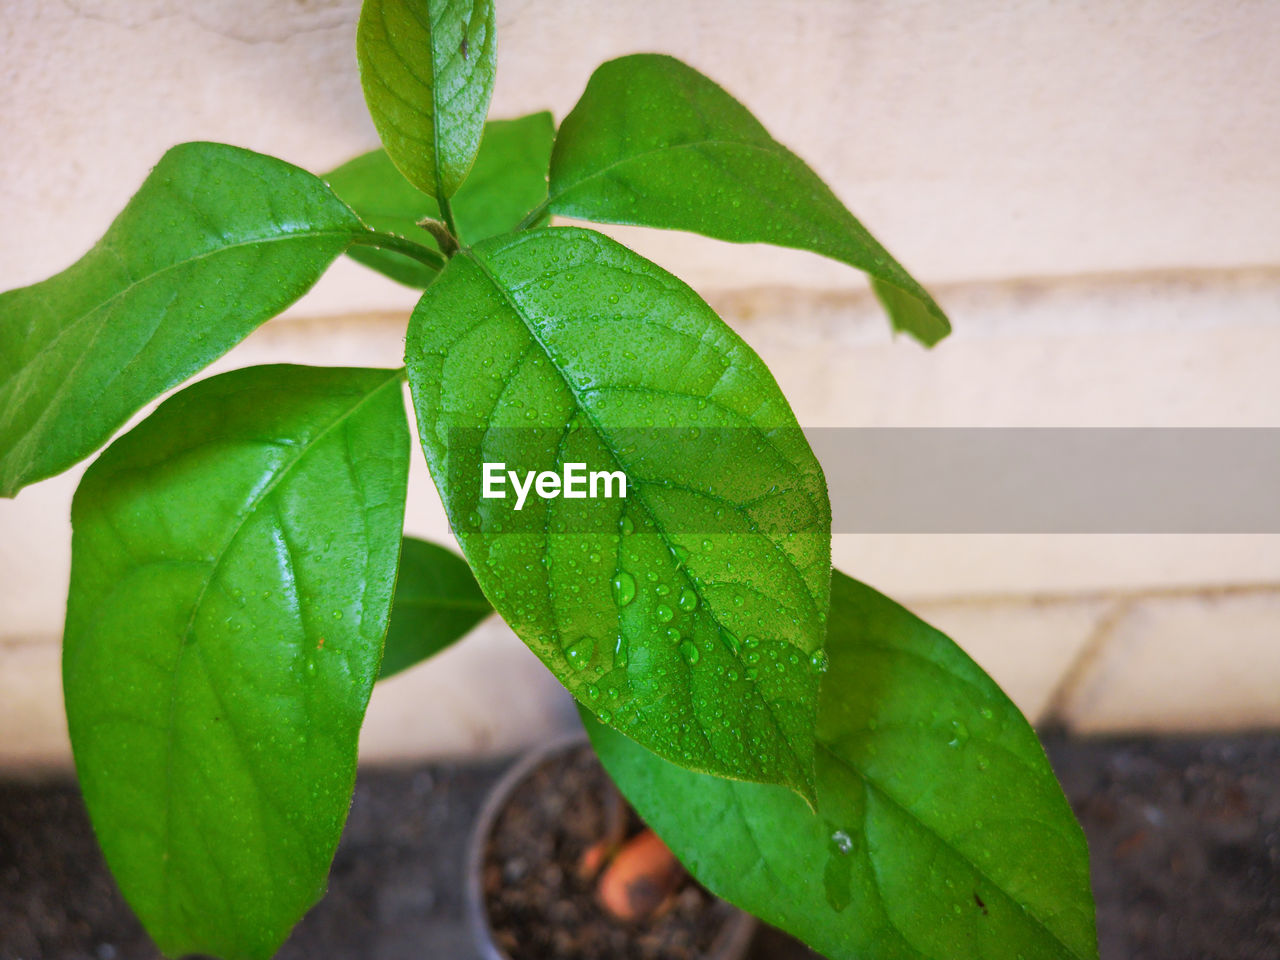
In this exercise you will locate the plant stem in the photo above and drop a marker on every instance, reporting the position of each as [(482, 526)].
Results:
[(533, 216), (402, 245), (446, 214)]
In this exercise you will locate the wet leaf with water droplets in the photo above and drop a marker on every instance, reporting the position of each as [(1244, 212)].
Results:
[(920, 847), (631, 568), (217, 660), (216, 241), (653, 142), (427, 69)]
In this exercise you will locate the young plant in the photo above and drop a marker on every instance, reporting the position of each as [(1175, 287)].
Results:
[(807, 748)]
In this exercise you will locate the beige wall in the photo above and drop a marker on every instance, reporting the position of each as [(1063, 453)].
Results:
[(1092, 188)]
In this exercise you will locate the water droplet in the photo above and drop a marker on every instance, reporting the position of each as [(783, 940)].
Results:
[(662, 589), (730, 641), (837, 875), (626, 525), (960, 734), (689, 652), (579, 652), (337, 614), (664, 613), (673, 634), (688, 600), (624, 588), (818, 662), (593, 692), (620, 653)]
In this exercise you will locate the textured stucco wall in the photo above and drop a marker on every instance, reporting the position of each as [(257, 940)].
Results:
[(982, 139), (1091, 188)]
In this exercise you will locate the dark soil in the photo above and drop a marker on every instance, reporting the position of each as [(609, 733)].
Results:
[(1184, 833), (1184, 842), (539, 902)]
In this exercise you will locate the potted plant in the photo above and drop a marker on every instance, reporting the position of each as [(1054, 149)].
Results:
[(628, 486)]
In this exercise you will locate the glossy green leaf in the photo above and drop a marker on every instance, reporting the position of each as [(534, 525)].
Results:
[(437, 601), (216, 241), (686, 613), (233, 561), (427, 68), (508, 180), (655, 143), (941, 832)]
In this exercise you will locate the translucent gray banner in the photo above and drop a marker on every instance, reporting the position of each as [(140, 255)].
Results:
[(998, 480), (1037, 480)]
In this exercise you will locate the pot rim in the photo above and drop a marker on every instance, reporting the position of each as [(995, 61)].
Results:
[(730, 944)]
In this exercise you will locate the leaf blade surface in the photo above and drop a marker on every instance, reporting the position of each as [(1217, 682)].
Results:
[(233, 560), (940, 831), (427, 68), (216, 241), (653, 142), (526, 351)]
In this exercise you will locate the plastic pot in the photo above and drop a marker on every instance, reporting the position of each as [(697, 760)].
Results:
[(730, 943)]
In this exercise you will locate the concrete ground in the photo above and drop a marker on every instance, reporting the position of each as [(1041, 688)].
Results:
[(1185, 835)]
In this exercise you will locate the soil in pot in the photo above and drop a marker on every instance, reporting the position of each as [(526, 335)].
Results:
[(540, 901)]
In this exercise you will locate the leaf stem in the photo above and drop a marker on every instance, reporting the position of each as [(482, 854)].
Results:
[(446, 214), (533, 216), (401, 245)]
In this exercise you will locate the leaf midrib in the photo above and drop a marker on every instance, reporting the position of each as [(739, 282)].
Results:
[(773, 148)]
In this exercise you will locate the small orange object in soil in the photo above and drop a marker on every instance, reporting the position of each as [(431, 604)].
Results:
[(593, 859), (641, 879)]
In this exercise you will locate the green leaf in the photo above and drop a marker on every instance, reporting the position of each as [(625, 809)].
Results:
[(527, 351), (941, 832), (427, 67), (655, 143), (508, 180), (233, 561), (437, 601), (216, 241), (909, 314)]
